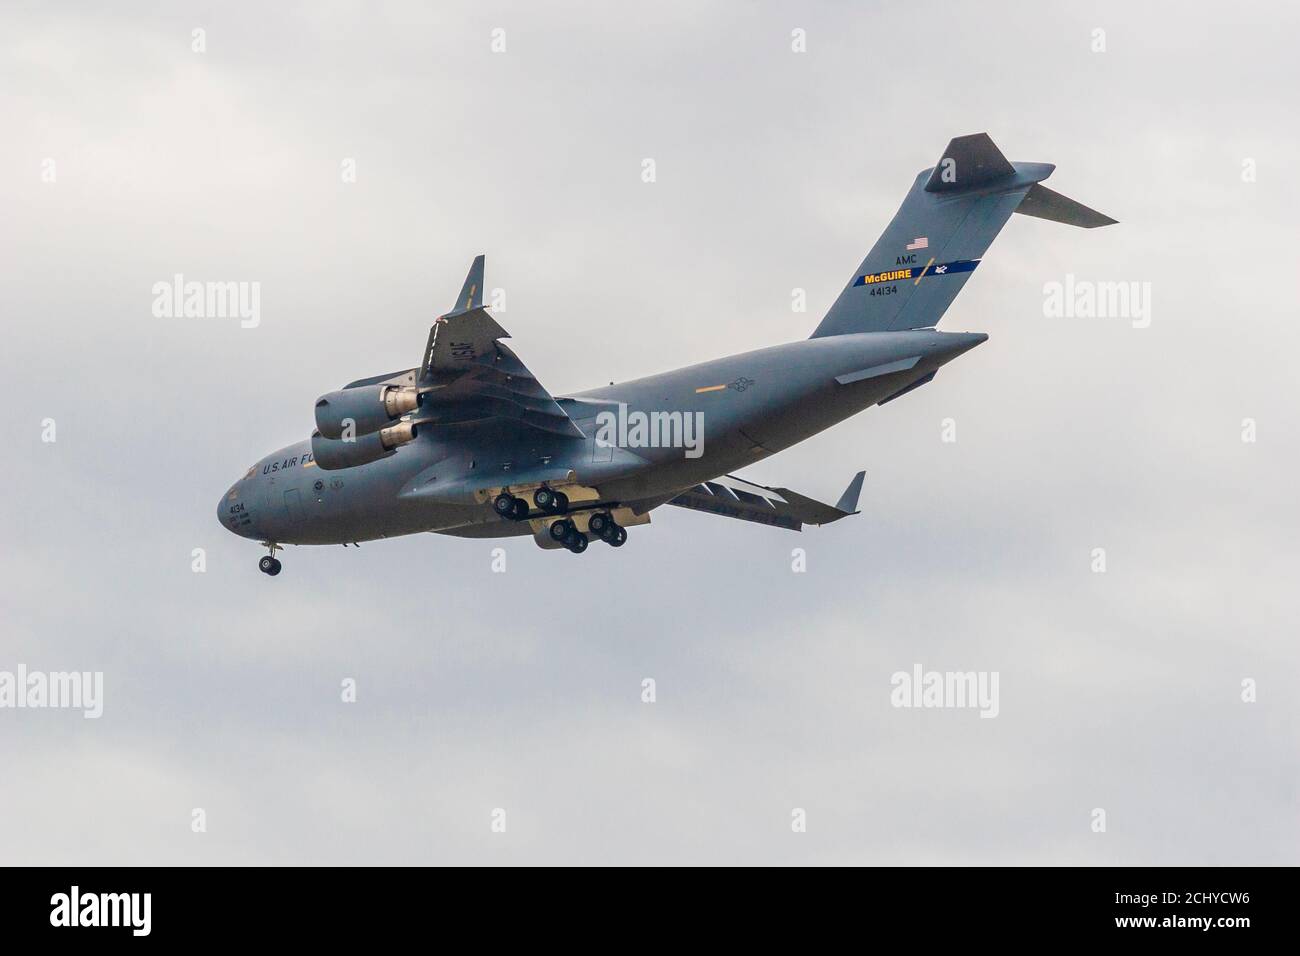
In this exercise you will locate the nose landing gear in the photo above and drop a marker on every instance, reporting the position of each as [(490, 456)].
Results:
[(269, 564)]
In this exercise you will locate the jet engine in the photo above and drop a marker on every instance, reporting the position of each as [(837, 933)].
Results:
[(332, 454), (368, 407)]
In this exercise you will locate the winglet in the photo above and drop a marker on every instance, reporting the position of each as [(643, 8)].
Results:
[(848, 502), (471, 293)]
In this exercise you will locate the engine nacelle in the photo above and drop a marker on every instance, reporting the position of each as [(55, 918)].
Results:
[(332, 454), (368, 407)]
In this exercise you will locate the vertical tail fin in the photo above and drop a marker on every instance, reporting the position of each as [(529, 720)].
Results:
[(936, 239)]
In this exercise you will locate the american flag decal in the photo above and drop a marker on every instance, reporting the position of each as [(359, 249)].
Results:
[(921, 242)]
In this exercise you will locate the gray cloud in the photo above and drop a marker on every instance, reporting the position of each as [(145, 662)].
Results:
[(480, 690)]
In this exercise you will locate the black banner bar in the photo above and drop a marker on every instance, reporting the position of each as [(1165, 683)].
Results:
[(1175, 905)]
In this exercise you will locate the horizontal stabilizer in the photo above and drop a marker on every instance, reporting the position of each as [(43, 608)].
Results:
[(1043, 203)]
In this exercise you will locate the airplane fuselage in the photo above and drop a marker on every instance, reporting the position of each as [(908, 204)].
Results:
[(471, 443), (747, 406)]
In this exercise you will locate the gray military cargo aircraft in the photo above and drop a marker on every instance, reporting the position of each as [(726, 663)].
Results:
[(470, 443)]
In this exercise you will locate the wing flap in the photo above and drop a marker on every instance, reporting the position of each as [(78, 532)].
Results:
[(469, 375)]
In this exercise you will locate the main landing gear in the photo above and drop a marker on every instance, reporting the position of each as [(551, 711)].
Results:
[(601, 524), (269, 564), (516, 509), (550, 501)]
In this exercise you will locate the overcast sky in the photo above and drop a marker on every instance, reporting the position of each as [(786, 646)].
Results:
[(776, 170)]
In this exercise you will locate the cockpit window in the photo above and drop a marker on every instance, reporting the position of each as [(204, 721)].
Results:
[(249, 473)]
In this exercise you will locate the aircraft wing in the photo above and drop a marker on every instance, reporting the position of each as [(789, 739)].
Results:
[(469, 375), (734, 497)]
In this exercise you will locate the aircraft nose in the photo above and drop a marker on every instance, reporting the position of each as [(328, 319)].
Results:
[(233, 513), (222, 517)]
